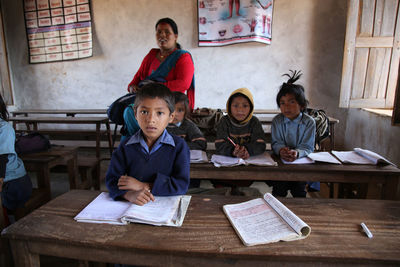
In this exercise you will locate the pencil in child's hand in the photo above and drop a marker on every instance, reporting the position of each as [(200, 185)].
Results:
[(230, 140)]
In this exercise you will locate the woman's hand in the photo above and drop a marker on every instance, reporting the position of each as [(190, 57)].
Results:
[(139, 197), (130, 183)]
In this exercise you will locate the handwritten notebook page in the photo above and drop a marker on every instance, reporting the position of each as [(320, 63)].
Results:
[(257, 223), (160, 211), (297, 224)]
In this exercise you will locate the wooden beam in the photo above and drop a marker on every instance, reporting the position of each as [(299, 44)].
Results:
[(374, 42)]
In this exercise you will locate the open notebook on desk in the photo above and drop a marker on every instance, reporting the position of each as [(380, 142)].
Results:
[(198, 156), (168, 211), (264, 159), (315, 157), (265, 220), (361, 156)]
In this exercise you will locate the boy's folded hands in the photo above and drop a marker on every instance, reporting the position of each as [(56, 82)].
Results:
[(138, 192), (288, 154)]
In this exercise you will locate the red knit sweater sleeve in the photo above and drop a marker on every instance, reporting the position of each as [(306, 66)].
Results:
[(143, 71), (182, 74)]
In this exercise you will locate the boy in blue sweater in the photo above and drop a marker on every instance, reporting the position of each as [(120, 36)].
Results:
[(151, 162)]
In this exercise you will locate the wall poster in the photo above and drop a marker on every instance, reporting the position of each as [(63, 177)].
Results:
[(224, 22), (58, 30)]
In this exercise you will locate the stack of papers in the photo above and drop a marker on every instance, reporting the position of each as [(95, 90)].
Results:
[(260, 160), (198, 156)]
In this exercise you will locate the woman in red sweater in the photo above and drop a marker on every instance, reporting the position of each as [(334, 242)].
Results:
[(169, 64)]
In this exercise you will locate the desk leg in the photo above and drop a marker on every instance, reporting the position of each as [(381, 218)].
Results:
[(98, 137), (332, 136), (22, 256), (43, 180), (391, 189), (73, 172)]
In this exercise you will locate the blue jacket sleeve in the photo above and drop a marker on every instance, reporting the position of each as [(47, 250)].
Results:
[(178, 182), (277, 135), (307, 139)]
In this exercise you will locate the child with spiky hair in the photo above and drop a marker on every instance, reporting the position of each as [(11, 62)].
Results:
[(293, 132)]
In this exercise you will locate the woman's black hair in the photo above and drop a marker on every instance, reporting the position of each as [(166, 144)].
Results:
[(181, 97), (155, 90), (290, 87), (3, 109), (173, 25)]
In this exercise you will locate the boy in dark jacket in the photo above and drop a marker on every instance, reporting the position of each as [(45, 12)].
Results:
[(151, 162)]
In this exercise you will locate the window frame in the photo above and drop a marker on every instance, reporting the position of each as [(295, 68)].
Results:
[(5, 80), (371, 55)]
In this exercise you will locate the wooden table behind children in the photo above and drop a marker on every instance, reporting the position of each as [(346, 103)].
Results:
[(97, 121), (207, 237), (43, 162), (389, 176)]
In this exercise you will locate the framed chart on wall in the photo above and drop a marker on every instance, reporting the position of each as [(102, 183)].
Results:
[(225, 22), (58, 30)]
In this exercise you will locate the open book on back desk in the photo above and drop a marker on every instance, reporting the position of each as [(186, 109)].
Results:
[(361, 156), (264, 159), (315, 157), (265, 220), (198, 156), (169, 211)]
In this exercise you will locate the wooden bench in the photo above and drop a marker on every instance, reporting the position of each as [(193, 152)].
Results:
[(89, 171), (32, 124)]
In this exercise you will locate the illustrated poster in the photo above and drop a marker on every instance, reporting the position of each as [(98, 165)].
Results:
[(58, 30), (224, 22)]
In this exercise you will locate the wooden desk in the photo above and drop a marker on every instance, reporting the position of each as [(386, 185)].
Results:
[(43, 162), (389, 176), (98, 121), (67, 112), (207, 237)]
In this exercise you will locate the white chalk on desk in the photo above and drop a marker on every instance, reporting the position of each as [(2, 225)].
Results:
[(366, 230)]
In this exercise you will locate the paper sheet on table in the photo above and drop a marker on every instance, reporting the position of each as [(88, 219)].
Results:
[(323, 157), (303, 160), (351, 157)]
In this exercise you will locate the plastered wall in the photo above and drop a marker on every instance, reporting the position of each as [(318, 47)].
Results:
[(306, 34)]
